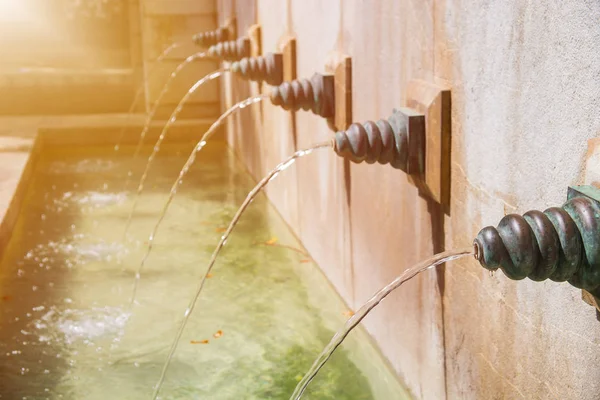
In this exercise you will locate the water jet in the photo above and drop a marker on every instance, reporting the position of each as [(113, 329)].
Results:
[(226, 51), (141, 90), (271, 69), (249, 199), (157, 103), (561, 244)]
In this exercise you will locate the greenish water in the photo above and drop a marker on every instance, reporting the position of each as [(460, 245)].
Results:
[(65, 284)]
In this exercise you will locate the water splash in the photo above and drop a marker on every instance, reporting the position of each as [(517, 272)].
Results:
[(76, 250), (90, 165), (251, 196), (71, 325), (158, 102), (339, 337), (162, 136), (213, 128), (140, 91), (95, 199)]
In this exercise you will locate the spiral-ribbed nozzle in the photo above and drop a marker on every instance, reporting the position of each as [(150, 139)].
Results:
[(210, 38), (267, 68), (398, 141), (233, 50), (316, 94), (561, 244)]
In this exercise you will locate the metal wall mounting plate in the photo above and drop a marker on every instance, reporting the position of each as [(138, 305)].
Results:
[(340, 66), (255, 36), (288, 49), (231, 26), (434, 102), (593, 193), (343, 94)]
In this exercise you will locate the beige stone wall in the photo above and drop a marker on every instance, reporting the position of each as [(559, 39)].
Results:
[(169, 21), (525, 94)]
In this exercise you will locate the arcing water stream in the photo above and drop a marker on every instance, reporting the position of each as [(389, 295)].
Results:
[(157, 103), (188, 164), (66, 330), (140, 91), (251, 196), (339, 337), (163, 134)]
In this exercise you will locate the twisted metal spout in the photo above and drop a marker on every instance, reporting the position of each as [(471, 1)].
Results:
[(233, 50), (398, 141), (560, 244), (316, 95), (267, 68), (211, 38)]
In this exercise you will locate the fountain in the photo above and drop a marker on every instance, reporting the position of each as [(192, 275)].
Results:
[(202, 39), (388, 142), (364, 310), (225, 51), (227, 31), (269, 69), (184, 171), (251, 196), (561, 244), (74, 326), (66, 275)]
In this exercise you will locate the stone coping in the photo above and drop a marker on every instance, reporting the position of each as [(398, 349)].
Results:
[(17, 157), (23, 138), (28, 127), (58, 77)]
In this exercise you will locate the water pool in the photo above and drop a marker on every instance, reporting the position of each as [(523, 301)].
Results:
[(66, 277)]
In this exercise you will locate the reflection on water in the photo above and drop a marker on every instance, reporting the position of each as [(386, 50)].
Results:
[(65, 282)]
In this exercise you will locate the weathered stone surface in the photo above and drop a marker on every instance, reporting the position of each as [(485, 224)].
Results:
[(525, 87)]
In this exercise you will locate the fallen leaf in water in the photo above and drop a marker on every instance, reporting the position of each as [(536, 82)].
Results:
[(218, 334), (205, 341), (271, 241), (306, 260), (348, 313), (221, 230), (209, 275)]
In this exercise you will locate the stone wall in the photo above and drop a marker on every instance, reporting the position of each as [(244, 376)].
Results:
[(525, 88), (165, 22)]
